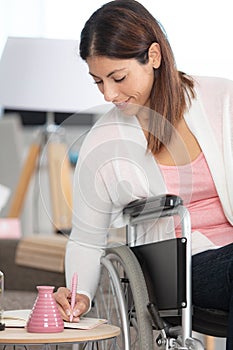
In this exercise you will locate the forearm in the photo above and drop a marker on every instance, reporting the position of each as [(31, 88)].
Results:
[(85, 260)]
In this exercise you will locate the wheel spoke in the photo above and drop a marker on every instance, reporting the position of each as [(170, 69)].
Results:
[(114, 291)]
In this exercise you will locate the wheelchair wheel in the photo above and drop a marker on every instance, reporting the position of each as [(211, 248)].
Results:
[(122, 299)]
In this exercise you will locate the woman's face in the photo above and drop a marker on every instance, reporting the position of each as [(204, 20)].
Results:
[(124, 82)]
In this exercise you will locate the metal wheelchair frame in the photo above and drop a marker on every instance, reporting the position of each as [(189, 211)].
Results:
[(144, 316)]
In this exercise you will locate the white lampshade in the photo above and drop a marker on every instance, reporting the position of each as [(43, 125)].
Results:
[(46, 75)]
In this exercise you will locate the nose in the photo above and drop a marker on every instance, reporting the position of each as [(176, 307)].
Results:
[(110, 92)]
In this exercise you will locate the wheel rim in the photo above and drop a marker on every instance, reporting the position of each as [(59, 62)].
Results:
[(114, 295)]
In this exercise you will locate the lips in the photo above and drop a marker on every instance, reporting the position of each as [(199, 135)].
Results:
[(122, 105)]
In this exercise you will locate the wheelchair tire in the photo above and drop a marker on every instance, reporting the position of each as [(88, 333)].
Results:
[(122, 298)]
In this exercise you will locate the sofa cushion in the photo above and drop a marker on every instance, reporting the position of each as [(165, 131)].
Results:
[(41, 251), (23, 278), (18, 299)]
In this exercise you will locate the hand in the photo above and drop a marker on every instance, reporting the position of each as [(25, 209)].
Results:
[(63, 298)]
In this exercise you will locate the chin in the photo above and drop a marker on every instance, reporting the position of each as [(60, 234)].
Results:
[(130, 109)]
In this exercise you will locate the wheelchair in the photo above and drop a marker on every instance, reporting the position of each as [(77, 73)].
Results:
[(146, 289)]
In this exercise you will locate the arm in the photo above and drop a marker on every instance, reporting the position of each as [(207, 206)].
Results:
[(91, 221)]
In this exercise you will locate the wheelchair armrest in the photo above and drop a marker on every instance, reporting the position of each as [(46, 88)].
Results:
[(152, 204)]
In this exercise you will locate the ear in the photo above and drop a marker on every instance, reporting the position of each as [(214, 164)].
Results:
[(154, 54)]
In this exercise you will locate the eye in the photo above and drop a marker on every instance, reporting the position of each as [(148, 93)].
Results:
[(119, 80), (98, 82)]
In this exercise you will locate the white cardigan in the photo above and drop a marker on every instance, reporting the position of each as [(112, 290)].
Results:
[(114, 169)]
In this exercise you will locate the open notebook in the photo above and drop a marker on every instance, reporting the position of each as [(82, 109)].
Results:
[(18, 318)]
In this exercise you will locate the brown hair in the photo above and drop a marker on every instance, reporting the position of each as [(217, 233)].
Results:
[(125, 29)]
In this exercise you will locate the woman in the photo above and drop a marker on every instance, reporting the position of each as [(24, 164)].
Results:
[(168, 132)]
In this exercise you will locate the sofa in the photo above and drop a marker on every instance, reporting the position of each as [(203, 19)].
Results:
[(21, 281)]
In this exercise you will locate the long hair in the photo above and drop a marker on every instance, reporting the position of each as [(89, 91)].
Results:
[(124, 29)]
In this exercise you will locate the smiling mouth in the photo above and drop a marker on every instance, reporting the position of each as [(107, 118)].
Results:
[(123, 104)]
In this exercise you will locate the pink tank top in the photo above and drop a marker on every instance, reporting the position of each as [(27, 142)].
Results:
[(194, 184)]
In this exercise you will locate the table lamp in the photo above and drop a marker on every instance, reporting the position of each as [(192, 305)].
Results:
[(47, 76)]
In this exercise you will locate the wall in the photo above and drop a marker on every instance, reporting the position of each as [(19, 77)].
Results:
[(199, 32)]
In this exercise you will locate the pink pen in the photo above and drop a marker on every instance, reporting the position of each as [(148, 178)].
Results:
[(73, 293)]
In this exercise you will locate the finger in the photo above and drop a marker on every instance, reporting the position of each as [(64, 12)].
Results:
[(76, 319), (80, 308), (61, 296), (63, 313), (62, 292)]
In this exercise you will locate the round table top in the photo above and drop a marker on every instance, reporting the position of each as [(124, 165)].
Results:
[(21, 336)]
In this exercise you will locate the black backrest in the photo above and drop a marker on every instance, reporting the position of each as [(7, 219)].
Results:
[(164, 266)]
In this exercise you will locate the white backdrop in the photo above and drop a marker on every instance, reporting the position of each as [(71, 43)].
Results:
[(199, 31)]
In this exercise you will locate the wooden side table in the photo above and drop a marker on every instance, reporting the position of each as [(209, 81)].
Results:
[(19, 336)]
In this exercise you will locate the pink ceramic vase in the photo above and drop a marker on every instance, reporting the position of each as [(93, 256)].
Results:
[(45, 316)]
